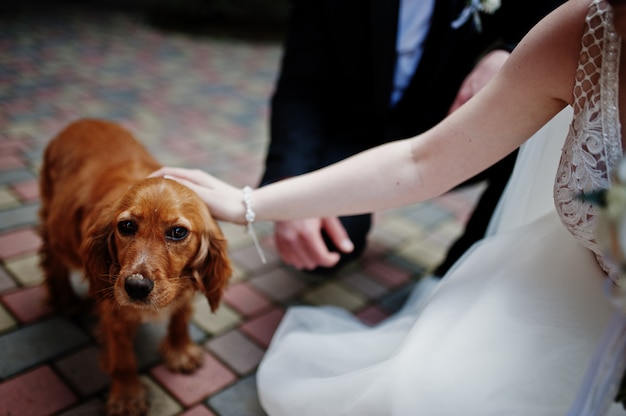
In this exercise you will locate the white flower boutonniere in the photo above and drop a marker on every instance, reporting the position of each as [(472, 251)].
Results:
[(473, 10)]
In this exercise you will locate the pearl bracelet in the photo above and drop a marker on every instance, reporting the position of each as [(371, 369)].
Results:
[(250, 217)]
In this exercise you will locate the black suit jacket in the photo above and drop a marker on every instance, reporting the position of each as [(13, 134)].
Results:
[(332, 97)]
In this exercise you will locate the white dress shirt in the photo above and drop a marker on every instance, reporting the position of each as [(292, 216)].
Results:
[(413, 25)]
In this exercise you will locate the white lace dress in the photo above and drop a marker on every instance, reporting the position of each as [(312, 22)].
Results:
[(521, 325)]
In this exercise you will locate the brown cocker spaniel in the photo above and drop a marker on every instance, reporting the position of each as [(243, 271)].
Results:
[(145, 245)]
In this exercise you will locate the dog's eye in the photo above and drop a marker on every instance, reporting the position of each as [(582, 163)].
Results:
[(127, 227), (176, 233)]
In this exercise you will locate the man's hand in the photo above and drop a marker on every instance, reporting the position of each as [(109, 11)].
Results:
[(301, 245), (482, 73)]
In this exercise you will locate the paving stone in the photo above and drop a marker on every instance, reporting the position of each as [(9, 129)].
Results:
[(372, 315), (395, 300), (12, 147), (28, 304), (6, 282), (214, 322), (18, 242), (362, 283), (13, 175), (90, 408), (26, 269), (82, 370), (28, 191), (278, 284), (447, 232), (245, 300), (198, 410), (7, 322), (31, 345), (430, 214), (8, 200), (19, 217), (335, 294), (149, 337), (38, 392), (422, 253), (236, 235), (236, 350), (238, 400), (248, 258), (386, 274), (189, 389), (161, 403), (395, 231), (262, 328), (9, 162)]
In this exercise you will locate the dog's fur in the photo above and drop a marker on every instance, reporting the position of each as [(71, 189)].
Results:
[(146, 245)]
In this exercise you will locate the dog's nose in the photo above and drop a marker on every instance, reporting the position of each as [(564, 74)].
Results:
[(138, 287)]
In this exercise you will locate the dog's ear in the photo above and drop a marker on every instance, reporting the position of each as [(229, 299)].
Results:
[(211, 268), (99, 255)]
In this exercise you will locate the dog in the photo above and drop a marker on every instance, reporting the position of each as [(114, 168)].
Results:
[(145, 246)]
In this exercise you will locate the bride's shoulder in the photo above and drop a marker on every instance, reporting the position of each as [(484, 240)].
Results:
[(549, 52)]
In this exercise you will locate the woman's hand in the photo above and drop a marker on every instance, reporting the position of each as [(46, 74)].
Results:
[(224, 200)]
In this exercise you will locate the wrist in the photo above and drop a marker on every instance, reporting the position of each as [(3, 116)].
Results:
[(249, 218)]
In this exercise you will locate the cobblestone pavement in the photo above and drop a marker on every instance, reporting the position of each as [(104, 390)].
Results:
[(195, 101)]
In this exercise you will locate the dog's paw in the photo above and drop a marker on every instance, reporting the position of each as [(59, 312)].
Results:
[(182, 360), (128, 401)]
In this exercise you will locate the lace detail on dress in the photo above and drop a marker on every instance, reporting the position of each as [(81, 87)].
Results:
[(593, 145)]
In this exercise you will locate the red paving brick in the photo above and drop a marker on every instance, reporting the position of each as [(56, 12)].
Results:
[(19, 242), (28, 191), (245, 299), (372, 315), (28, 304), (387, 274), (10, 162), (189, 389), (37, 393), (262, 328), (12, 147)]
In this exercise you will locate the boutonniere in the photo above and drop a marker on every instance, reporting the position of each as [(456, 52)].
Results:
[(473, 9)]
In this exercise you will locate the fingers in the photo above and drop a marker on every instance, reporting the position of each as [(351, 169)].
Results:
[(338, 234), (223, 200), (301, 245), (196, 176)]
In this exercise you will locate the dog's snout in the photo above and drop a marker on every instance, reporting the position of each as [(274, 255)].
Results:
[(138, 287)]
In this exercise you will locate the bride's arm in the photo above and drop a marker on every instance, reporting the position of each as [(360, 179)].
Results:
[(532, 87)]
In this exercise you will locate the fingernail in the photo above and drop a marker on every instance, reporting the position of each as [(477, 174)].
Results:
[(346, 245)]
